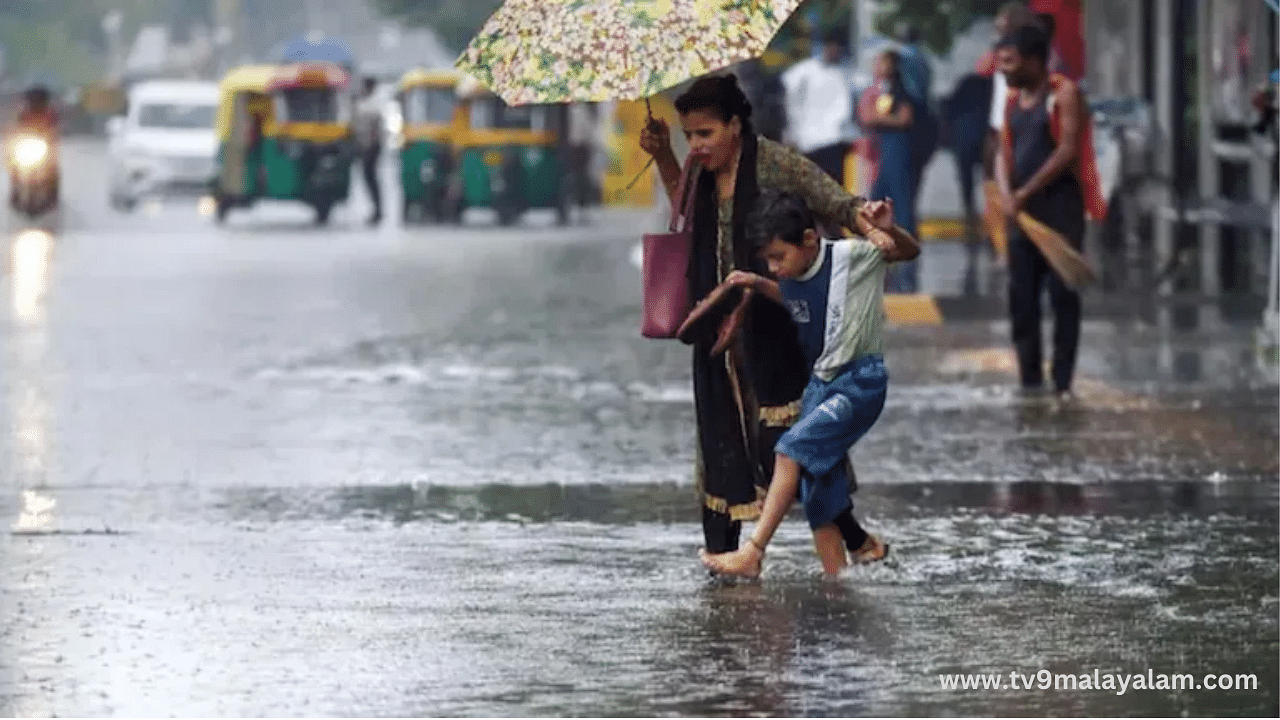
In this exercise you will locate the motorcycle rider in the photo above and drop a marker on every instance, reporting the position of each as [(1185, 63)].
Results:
[(37, 113), (37, 117)]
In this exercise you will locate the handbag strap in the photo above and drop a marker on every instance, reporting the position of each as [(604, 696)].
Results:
[(682, 203)]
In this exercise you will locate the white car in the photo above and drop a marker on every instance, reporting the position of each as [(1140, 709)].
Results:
[(165, 143)]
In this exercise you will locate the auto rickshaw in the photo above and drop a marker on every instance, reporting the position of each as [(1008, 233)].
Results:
[(285, 133), (509, 158), (431, 115)]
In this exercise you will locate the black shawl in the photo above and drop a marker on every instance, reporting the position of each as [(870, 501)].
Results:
[(771, 369)]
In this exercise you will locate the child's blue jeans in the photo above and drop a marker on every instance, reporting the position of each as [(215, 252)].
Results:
[(833, 416)]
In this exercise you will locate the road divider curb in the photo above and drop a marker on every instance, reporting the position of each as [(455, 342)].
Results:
[(912, 309)]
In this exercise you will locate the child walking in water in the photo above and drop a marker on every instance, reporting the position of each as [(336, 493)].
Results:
[(834, 291)]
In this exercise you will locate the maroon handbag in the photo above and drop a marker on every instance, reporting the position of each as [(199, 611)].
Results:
[(665, 266)]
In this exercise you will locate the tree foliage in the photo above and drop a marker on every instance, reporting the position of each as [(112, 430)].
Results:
[(938, 20), (65, 42), (453, 21)]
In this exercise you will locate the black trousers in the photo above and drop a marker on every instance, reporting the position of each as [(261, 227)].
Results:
[(1029, 275), (369, 168), (831, 159)]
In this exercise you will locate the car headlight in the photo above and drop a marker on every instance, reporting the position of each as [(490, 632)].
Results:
[(30, 151)]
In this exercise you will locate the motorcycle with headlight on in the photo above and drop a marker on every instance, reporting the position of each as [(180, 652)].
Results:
[(33, 173)]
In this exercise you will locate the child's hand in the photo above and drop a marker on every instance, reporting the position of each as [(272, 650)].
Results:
[(879, 213), (742, 279)]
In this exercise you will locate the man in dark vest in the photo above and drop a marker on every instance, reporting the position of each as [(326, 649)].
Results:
[(1048, 171)]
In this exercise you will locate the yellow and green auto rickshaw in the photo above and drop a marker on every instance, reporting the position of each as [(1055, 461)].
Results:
[(285, 133), (430, 115), (509, 158)]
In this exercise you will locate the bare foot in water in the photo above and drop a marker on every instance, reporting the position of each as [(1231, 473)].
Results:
[(743, 562)]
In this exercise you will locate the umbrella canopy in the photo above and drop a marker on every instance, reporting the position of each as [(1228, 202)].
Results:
[(550, 51), (318, 50)]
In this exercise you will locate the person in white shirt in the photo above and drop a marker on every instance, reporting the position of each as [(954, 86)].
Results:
[(820, 106), (369, 144)]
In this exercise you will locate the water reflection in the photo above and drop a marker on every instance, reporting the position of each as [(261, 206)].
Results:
[(30, 258), (31, 252), (777, 648), (669, 503)]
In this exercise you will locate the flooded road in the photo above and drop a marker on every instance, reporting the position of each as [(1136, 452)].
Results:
[(270, 469)]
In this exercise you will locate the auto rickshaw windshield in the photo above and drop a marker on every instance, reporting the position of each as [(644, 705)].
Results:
[(429, 106), (494, 114), (324, 105)]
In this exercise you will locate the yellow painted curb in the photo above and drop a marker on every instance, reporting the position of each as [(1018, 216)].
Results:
[(937, 228), (916, 309)]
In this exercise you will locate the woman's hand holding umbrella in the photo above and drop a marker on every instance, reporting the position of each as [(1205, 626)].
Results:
[(655, 139)]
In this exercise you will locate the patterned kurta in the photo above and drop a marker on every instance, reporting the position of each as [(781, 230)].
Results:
[(781, 168)]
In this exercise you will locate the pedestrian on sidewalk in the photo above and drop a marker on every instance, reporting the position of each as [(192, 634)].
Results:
[(891, 116), (819, 105), (1045, 169), (834, 291), (745, 398), (917, 81), (369, 145), (1012, 16)]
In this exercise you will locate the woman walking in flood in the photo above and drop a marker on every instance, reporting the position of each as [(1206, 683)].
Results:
[(747, 397)]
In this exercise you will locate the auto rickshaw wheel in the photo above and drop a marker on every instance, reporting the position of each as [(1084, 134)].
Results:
[(322, 212), (451, 210), (436, 206), (123, 204), (508, 214), (222, 208), (562, 208)]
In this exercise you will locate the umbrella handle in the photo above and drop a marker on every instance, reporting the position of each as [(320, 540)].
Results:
[(652, 123)]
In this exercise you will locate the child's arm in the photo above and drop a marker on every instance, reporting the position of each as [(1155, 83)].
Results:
[(894, 242), (751, 281), (900, 246)]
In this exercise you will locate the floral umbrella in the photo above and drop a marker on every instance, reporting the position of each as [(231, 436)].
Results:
[(553, 51)]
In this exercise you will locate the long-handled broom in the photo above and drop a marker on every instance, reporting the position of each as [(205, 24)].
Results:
[(1070, 265), (1065, 260), (993, 218)]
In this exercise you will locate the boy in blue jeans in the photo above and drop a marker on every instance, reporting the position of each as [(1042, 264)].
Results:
[(834, 291)]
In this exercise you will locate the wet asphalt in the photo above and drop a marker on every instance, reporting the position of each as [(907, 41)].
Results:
[(273, 469)]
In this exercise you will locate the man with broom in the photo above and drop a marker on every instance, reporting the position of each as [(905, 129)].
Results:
[(1048, 180)]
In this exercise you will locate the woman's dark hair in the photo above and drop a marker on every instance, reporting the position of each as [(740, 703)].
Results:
[(897, 88), (719, 94), (778, 215)]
